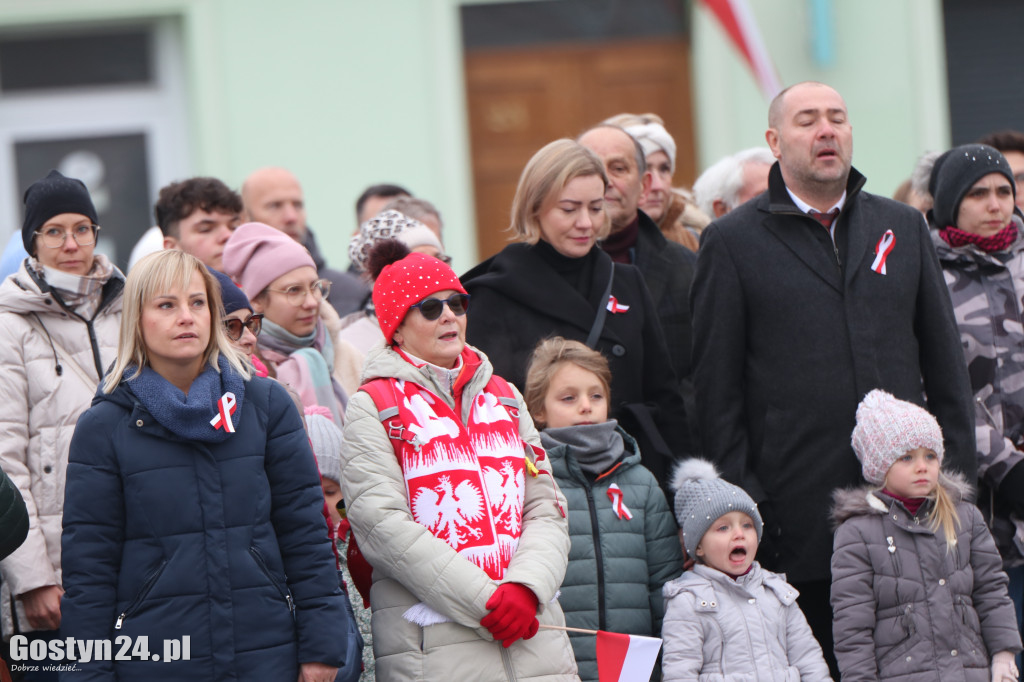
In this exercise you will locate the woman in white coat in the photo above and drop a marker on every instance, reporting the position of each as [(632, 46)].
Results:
[(59, 319)]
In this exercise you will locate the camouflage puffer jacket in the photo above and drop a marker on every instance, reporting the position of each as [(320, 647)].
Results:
[(987, 290)]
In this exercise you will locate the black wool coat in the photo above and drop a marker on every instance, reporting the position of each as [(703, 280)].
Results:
[(668, 270), (790, 333), (518, 300)]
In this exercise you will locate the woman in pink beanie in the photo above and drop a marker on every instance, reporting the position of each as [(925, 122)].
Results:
[(300, 335), (467, 537)]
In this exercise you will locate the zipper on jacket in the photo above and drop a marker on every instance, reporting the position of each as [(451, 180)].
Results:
[(142, 594), (892, 553), (506, 660), (285, 594), (598, 558)]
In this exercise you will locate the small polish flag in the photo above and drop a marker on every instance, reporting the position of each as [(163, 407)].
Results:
[(615, 307), (625, 658)]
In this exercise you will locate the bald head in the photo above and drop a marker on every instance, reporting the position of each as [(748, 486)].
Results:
[(274, 196), (777, 108)]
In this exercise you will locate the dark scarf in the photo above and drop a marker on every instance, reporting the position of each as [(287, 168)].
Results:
[(619, 244), (578, 273), (595, 447), (1000, 241), (189, 416)]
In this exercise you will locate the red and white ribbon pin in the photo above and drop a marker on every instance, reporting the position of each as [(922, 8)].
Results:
[(226, 407), (615, 495), (882, 251), (615, 307)]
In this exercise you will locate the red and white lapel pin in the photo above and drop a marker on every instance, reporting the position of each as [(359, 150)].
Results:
[(226, 407), (618, 505), (882, 250), (615, 307)]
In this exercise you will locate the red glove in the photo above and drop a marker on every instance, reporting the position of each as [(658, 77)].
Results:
[(513, 613)]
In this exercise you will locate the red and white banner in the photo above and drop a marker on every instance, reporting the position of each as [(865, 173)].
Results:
[(738, 21), (625, 658)]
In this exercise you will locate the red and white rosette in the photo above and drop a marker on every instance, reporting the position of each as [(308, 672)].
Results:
[(618, 505), (882, 250), (226, 407)]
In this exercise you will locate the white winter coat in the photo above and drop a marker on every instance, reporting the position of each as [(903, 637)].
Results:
[(39, 407), (717, 629), (411, 566)]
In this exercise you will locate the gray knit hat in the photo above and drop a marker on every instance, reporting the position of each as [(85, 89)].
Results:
[(702, 496), (326, 439), (888, 428)]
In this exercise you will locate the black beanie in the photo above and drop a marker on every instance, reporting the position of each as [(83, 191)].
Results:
[(232, 297), (960, 169), (53, 195)]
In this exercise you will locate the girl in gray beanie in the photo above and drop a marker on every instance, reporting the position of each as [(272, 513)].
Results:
[(729, 617)]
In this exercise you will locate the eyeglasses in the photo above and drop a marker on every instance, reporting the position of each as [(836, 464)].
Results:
[(431, 308), (297, 294), (54, 237), (234, 326)]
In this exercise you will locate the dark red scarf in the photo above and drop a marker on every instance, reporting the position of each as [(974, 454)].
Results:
[(1000, 241)]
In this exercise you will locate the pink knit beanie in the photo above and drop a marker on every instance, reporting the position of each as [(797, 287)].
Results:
[(257, 254), (408, 281), (888, 428)]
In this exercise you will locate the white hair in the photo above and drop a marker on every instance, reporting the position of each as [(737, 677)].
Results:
[(723, 180)]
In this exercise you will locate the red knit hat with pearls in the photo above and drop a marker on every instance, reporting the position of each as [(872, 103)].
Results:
[(406, 282)]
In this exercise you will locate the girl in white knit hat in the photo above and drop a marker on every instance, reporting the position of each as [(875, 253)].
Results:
[(918, 589), (728, 618)]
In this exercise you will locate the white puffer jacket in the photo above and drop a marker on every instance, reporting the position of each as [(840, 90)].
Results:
[(39, 407)]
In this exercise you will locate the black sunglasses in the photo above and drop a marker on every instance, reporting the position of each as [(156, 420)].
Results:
[(234, 326), (431, 308)]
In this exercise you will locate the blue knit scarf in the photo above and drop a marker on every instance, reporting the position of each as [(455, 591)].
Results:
[(189, 416)]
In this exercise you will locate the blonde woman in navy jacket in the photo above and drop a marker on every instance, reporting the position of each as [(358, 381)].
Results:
[(193, 504)]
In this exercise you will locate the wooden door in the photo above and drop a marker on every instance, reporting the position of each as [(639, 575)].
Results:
[(519, 99)]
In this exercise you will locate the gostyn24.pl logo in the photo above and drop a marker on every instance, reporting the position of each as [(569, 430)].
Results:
[(123, 648)]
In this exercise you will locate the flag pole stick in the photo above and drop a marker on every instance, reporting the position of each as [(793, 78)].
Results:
[(568, 629)]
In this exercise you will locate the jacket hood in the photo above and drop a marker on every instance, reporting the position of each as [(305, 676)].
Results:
[(23, 293), (972, 254), (862, 501)]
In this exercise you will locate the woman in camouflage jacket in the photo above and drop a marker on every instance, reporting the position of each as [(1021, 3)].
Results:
[(979, 238)]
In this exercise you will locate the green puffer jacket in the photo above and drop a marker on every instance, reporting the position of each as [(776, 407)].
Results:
[(616, 566)]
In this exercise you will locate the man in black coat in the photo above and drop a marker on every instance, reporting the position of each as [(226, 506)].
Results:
[(797, 317), (667, 267)]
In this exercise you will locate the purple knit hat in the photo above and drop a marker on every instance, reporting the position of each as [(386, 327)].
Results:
[(257, 254), (888, 428)]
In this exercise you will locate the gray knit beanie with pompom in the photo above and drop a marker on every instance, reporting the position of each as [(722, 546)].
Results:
[(702, 496)]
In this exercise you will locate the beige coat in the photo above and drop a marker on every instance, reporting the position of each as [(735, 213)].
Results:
[(412, 566), (40, 410)]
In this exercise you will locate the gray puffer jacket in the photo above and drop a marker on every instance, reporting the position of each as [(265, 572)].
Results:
[(717, 629), (906, 608)]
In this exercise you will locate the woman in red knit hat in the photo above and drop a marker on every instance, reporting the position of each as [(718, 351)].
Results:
[(467, 536)]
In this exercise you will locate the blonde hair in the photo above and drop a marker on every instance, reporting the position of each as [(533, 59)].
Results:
[(547, 357), (156, 274), (943, 516), (546, 174)]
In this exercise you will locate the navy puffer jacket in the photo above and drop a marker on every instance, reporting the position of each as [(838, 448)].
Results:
[(222, 542)]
